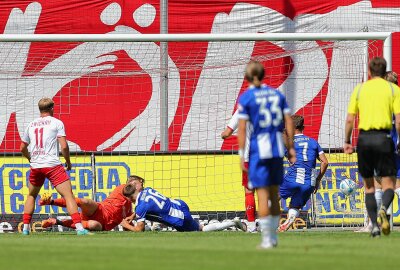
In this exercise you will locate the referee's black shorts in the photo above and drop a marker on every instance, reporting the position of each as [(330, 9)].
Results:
[(375, 152)]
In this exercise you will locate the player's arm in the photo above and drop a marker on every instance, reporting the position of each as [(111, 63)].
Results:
[(348, 148), (24, 151), (242, 141), (289, 138), (397, 124), (232, 126), (65, 151), (323, 167), (139, 227), (349, 125)]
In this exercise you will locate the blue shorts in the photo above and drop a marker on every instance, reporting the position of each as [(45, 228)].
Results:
[(189, 224), (299, 193), (265, 172)]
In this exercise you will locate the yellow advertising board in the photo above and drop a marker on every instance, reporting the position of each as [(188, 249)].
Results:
[(205, 182)]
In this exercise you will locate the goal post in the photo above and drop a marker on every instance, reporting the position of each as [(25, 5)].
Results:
[(161, 118)]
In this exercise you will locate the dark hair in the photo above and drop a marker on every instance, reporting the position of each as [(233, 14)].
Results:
[(255, 73), (135, 177), (128, 190), (377, 67), (391, 76), (298, 122)]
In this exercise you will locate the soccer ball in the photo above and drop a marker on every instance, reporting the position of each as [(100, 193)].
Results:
[(347, 186)]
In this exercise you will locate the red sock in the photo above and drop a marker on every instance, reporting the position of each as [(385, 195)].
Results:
[(62, 203), (68, 223), (76, 218), (26, 218), (250, 203)]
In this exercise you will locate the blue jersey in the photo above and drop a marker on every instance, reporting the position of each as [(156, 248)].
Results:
[(307, 152), (154, 206), (264, 107)]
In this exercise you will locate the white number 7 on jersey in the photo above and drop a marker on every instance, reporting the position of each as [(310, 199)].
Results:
[(304, 145)]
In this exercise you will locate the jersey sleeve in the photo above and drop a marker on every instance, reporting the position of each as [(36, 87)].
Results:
[(353, 105), (243, 110), (234, 122), (396, 100), (25, 137), (60, 129), (319, 149), (141, 211)]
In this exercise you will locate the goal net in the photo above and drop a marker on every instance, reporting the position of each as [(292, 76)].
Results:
[(109, 96)]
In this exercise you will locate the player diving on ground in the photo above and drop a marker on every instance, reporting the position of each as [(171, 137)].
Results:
[(103, 216), (299, 182), (175, 213)]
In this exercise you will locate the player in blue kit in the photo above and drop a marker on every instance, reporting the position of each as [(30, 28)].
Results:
[(153, 206), (267, 111), (299, 182)]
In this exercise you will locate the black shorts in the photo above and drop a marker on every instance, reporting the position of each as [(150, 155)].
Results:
[(375, 152)]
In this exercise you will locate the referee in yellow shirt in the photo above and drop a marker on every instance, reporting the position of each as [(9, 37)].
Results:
[(376, 101)]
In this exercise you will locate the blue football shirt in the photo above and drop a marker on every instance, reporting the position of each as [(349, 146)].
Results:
[(264, 107), (307, 152)]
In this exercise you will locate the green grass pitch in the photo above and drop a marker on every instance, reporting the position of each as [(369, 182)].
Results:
[(219, 250)]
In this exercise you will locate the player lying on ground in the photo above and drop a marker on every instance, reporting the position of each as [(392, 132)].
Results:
[(250, 202), (299, 182), (153, 206), (103, 216), (267, 111), (43, 136), (392, 77)]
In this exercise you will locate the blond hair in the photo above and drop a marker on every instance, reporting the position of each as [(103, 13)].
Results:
[(45, 105)]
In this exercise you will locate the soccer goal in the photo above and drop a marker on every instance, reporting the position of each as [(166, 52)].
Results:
[(133, 107)]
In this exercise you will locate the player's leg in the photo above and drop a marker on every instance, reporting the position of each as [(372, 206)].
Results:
[(289, 190), (388, 186), (220, 226), (92, 225), (29, 207), (250, 202), (36, 180), (88, 206)]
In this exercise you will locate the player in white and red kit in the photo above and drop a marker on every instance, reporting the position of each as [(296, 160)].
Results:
[(43, 136), (250, 202)]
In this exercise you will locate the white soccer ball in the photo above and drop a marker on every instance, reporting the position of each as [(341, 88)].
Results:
[(347, 186)]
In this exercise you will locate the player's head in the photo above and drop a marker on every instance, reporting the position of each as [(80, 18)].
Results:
[(255, 73), (377, 67), (391, 76), (298, 122), (46, 105), (135, 180), (130, 191)]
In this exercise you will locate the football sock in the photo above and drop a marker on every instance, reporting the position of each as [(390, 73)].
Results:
[(372, 208), (387, 198), (378, 197), (26, 219), (219, 226), (62, 203), (267, 230), (293, 214), (76, 218), (250, 204)]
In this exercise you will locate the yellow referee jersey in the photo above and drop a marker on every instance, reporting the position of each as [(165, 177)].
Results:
[(376, 101)]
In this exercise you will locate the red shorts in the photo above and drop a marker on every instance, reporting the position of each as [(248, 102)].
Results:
[(245, 177), (101, 216), (56, 175)]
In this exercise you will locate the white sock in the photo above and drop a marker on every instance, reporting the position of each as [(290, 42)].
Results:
[(251, 225), (378, 197), (26, 227), (397, 191), (78, 226), (219, 226), (267, 230), (293, 214)]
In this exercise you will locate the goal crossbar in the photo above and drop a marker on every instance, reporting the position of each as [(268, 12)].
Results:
[(192, 37)]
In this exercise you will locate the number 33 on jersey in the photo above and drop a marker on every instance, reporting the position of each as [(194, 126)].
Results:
[(264, 109)]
